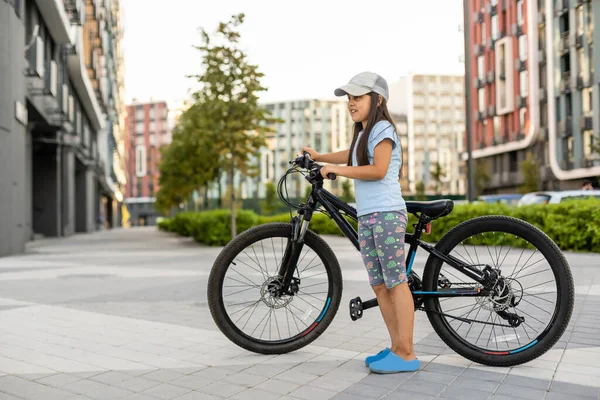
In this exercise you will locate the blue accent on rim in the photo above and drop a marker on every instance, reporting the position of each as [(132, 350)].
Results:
[(412, 258), (524, 347), (436, 292), (325, 310)]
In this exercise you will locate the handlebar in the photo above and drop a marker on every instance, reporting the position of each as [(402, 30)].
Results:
[(306, 162)]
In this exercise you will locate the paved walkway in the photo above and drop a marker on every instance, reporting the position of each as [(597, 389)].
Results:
[(123, 314)]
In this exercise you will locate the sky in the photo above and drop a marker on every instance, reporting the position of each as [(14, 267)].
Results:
[(305, 48)]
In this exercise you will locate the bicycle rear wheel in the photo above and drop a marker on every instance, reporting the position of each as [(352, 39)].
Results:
[(534, 283), (241, 291)]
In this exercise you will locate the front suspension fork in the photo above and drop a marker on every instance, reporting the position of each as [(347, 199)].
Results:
[(294, 247)]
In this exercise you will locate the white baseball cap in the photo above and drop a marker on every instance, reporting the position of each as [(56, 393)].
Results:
[(364, 83)]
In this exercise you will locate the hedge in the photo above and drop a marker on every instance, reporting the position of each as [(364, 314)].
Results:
[(574, 225)]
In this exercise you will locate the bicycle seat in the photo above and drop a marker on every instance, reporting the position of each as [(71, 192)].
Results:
[(433, 209)]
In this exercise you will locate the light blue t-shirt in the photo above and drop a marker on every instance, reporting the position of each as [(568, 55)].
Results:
[(384, 194)]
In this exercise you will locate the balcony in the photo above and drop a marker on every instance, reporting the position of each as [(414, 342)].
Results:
[(491, 9), (541, 18), (478, 50), (478, 17), (565, 127), (490, 43), (56, 20), (516, 30), (478, 82), (561, 7), (81, 80), (520, 65), (564, 85), (491, 110), (520, 102), (563, 43), (491, 76), (542, 56), (576, 40), (586, 123)]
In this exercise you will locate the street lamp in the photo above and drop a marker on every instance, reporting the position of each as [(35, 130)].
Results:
[(468, 111)]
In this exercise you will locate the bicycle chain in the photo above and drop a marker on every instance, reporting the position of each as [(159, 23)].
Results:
[(460, 318)]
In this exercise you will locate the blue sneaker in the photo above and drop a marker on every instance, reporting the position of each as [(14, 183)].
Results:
[(377, 356), (393, 363)]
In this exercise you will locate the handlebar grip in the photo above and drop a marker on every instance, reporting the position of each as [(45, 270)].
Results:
[(331, 176)]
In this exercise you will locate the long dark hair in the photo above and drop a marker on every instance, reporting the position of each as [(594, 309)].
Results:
[(376, 114)]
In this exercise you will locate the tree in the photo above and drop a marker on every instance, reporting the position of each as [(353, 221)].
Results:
[(187, 164), (481, 175), (420, 191), (270, 202), (436, 175), (531, 174), (347, 195), (228, 100)]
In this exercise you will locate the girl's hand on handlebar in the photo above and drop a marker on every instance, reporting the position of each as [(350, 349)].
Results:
[(327, 170), (313, 153)]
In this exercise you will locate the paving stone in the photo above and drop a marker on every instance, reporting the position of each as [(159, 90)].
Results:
[(165, 391), (367, 391), (308, 392), (521, 392)]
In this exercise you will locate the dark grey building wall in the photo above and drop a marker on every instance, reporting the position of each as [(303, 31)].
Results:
[(14, 225), (85, 185)]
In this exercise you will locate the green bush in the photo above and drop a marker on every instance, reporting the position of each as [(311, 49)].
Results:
[(573, 225)]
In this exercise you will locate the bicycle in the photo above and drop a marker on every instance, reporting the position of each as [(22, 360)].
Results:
[(284, 291)]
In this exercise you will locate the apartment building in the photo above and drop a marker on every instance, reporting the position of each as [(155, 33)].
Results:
[(533, 90), (61, 170), (147, 131), (434, 109), (324, 125)]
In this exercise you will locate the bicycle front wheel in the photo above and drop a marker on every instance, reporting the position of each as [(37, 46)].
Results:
[(529, 306), (243, 283)]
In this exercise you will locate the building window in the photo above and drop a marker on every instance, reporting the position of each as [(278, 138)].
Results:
[(569, 105), (523, 47), (513, 161), (139, 113), (523, 83), (481, 94), (483, 35), (139, 128), (588, 143), (579, 11), (522, 119), (565, 64), (563, 24), (480, 68), (139, 189), (495, 30), (520, 12), (581, 60), (140, 161)]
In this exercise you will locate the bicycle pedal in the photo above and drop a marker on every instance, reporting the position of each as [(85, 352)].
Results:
[(356, 308)]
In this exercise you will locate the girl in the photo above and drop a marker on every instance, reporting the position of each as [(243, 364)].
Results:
[(373, 162)]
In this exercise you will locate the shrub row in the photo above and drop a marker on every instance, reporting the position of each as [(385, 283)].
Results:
[(573, 225)]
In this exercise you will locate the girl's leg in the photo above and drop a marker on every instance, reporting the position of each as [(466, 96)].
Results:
[(404, 310), (389, 239), (386, 306), (371, 260)]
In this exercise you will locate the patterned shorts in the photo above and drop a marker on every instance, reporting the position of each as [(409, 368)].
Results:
[(381, 237)]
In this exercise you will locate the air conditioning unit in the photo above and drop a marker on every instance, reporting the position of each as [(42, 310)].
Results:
[(35, 57), (51, 81)]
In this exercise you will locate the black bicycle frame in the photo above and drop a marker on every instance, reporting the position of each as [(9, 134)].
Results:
[(333, 205)]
